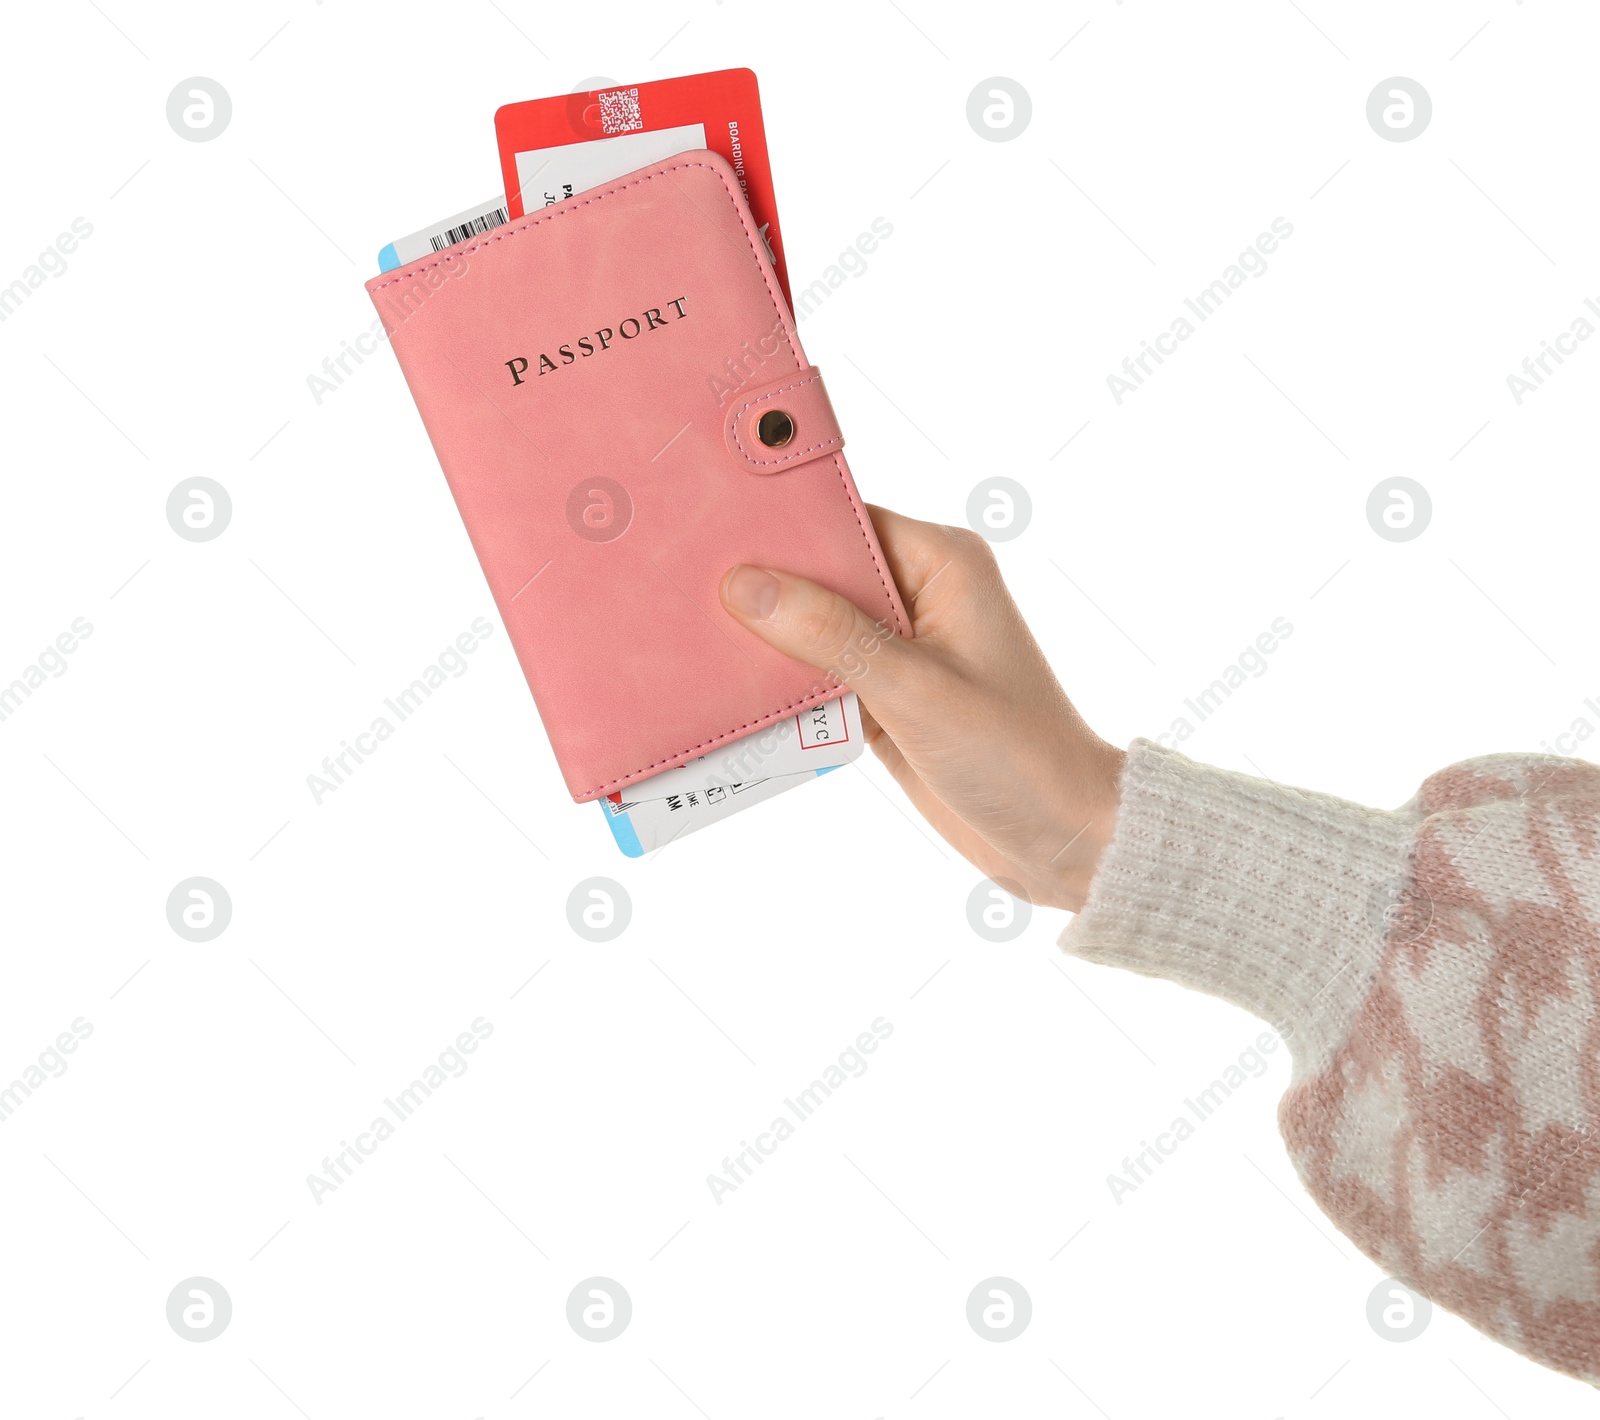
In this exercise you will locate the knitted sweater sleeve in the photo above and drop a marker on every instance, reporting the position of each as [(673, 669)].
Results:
[(1436, 972)]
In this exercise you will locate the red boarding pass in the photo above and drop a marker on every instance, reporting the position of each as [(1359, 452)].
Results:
[(552, 148)]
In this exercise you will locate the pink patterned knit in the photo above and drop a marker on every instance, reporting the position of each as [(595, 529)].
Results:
[(1436, 970)]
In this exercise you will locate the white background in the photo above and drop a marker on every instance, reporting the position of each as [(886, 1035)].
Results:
[(428, 890)]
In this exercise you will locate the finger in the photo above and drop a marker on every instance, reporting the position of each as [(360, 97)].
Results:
[(823, 629), (892, 757), (949, 825), (870, 728), (917, 552)]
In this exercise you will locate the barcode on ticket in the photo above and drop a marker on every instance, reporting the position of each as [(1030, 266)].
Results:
[(445, 233), (475, 228)]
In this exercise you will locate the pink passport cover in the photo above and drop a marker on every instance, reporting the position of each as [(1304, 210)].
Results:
[(602, 364)]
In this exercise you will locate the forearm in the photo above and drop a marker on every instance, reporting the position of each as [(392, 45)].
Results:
[(1435, 970)]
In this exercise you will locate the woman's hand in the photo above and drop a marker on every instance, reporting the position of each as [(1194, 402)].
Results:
[(967, 715)]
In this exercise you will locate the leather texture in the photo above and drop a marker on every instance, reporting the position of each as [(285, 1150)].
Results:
[(601, 365)]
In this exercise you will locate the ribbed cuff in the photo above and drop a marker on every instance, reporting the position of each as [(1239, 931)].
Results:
[(1270, 897)]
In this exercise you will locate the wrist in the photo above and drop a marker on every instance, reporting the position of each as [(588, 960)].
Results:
[(1088, 797)]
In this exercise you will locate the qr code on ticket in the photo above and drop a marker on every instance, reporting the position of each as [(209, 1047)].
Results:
[(619, 111)]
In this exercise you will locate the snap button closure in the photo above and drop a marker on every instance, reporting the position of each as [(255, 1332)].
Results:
[(783, 425), (775, 429)]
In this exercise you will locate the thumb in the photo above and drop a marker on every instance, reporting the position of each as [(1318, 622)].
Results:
[(819, 627)]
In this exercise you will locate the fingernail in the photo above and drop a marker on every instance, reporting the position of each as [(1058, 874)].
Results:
[(753, 592)]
